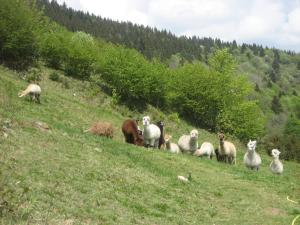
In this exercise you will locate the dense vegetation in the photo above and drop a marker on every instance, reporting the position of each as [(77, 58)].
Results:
[(210, 92)]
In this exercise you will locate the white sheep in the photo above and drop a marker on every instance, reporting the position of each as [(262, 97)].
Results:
[(252, 159), (206, 149), (33, 90), (151, 133), (276, 165), (172, 147), (189, 143), (227, 150)]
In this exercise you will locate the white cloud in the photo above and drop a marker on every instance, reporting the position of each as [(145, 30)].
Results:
[(269, 22)]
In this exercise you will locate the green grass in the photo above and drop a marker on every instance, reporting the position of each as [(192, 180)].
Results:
[(65, 176)]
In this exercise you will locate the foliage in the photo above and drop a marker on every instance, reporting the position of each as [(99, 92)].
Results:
[(54, 46), (81, 56), (215, 97), (134, 79), (19, 27)]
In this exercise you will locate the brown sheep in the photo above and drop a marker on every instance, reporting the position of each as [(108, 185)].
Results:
[(101, 129), (131, 132)]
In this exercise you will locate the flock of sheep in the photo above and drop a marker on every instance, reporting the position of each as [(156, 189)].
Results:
[(153, 136)]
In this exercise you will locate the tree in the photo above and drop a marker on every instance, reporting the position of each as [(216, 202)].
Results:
[(19, 28)]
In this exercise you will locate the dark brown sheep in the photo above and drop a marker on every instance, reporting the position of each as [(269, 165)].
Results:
[(131, 132)]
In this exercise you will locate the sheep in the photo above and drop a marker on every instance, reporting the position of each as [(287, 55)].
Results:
[(227, 150), (276, 165), (131, 132), (101, 129), (33, 90), (189, 143), (172, 147), (161, 142), (151, 133), (252, 160), (206, 149)]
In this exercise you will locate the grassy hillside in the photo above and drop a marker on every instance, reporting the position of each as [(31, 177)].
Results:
[(64, 176)]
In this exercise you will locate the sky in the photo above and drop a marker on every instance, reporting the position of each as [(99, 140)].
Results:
[(272, 23)]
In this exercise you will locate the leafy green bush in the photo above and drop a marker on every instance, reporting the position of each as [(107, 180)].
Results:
[(215, 97), (53, 46), (18, 34), (134, 79), (81, 56)]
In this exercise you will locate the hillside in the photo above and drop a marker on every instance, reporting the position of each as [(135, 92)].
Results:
[(64, 176), (274, 73)]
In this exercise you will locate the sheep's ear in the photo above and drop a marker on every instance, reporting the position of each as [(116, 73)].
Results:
[(279, 152)]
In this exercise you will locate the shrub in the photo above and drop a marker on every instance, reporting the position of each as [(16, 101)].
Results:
[(19, 26), (134, 79), (81, 56)]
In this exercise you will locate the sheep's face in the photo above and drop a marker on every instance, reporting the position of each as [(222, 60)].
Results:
[(221, 137), (194, 134), (275, 153), (146, 120), (168, 138), (251, 145), (160, 123)]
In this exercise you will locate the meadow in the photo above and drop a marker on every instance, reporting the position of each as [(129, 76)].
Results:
[(61, 175)]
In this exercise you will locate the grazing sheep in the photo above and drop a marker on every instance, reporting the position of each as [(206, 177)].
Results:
[(276, 165), (189, 143), (161, 142), (206, 149), (131, 132), (101, 129), (151, 133), (33, 90), (252, 160), (227, 150), (172, 147)]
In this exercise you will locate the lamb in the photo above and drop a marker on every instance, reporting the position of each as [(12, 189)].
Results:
[(161, 142), (276, 165), (101, 129), (206, 149), (252, 160), (227, 150), (151, 133), (33, 90), (131, 132), (172, 147), (189, 143)]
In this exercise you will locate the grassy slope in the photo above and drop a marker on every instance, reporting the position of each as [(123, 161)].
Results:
[(65, 176)]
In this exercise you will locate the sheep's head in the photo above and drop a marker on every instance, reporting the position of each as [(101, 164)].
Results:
[(221, 137), (194, 134), (168, 138), (160, 123), (251, 145), (275, 153), (146, 120)]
